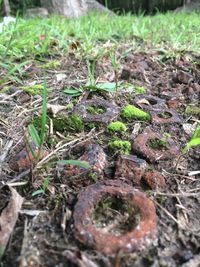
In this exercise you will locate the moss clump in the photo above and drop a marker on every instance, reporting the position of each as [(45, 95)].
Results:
[(131, 112), (116, 126), (139, 90), (36, 89), (122, 147), (72, 123), (94, 110), (53, 64), (192, 110), (165, 115), (159, 144)]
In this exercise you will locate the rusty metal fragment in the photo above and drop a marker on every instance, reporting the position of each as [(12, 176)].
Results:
[(149, 102), (25, 159), (154, 179), (130, 168), (163, 116), (137, 238), (110, 113), (183, 77), (141, 145), (94, 155)]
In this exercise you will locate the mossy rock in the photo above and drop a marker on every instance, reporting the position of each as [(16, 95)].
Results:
[(131, 112)]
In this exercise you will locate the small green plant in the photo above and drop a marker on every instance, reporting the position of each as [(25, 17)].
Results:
[(116, 126), (92, 176), (32, 131), (116, 70), (120, 146), (194, 141), (131, 112), (90, 72), (45, 185)]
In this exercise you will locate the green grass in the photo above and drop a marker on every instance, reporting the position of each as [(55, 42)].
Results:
[(165, 31), (94, 35)]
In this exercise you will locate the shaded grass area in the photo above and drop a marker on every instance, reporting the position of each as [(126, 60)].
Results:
[(42, 37)]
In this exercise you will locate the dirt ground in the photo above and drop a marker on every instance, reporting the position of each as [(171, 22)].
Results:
[(44, 234)]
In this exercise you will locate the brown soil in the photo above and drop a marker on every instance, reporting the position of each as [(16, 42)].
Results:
[(44, 233)]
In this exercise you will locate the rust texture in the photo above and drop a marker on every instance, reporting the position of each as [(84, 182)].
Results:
[(130, 168), (154, 179), (24, 159), (149, 102), (110, 113), (94, 155), (141, 146), (136, 239), (158, 118)]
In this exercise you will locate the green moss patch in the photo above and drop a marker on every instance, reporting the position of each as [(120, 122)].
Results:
[(117, 126), (36, 89), (130, 112), (72, 123), (94, 110), (120, 146)]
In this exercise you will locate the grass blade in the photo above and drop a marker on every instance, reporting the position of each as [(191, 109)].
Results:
[(34, 135), (44, 113), (81, 164)]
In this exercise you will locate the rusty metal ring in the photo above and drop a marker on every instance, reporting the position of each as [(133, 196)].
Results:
[(157, 118), (110, 113), (141, 146), (136, 239), (154, 102)]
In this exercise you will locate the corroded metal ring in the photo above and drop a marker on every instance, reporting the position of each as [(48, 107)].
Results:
[(141, 146), (153, 102), (157, 118), (110, 113), (136, 239), (93, 155)]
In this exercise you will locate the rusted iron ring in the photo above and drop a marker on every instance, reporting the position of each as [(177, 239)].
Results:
[(93, 154), (164, 116), (152, 102), (110, 113), (135, 239), (142, 147)]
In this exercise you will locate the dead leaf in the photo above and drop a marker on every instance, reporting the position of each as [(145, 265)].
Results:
[(54, 109), (10, 206), (143, 101)]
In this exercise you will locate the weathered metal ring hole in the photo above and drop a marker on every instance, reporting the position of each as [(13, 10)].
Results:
[(94, 109), (157, 144), (116, 215), (151, 101), (165, 115)]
